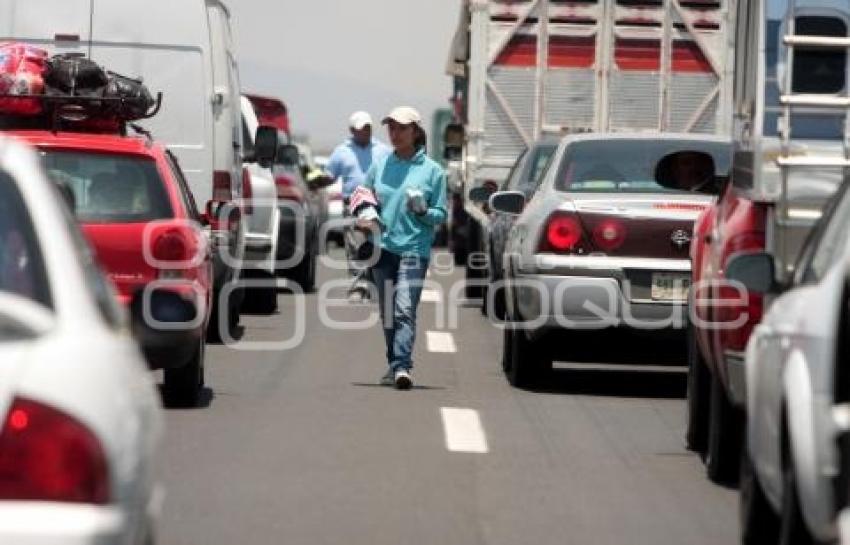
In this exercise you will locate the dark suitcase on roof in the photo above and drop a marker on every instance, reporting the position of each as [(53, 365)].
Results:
[(136, 100), (74, 74)]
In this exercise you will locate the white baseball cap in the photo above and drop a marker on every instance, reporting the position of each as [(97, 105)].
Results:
[(358, 120), (404, 115)]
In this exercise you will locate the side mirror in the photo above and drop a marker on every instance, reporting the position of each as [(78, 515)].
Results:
[(213, 212), (689, 170), (757, 272), (508, 202), (287, 155), (481, 194), (453, 136), (265, 146)]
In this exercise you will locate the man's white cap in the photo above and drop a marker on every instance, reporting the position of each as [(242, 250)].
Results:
[(404, 115), (358, 120)]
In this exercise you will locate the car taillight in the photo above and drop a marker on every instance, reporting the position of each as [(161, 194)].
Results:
[(609, 235), (247, 192), (46, 455), (221, 186), (171, 246), (287, 189), (563, 233)]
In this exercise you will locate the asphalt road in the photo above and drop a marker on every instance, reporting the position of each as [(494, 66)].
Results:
[(301, 446)]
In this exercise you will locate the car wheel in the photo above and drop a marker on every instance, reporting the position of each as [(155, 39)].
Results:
[(229, 315), (507, 348), (759, 523), (792, 529), (699, 378), (723, 455), (304, 273), (182, 385), (527, 360), (475, 271)]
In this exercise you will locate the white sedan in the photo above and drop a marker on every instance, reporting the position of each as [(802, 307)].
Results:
[(80, 416), (796, 464)]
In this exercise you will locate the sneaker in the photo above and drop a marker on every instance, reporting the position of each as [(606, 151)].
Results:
[(388, 379), (403, 380)]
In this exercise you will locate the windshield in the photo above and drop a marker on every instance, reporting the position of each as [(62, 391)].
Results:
[(110, 188), (22, 269), (627, 166)]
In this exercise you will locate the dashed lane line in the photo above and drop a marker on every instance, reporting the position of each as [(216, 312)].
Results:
[(463, 430), (441, 342)]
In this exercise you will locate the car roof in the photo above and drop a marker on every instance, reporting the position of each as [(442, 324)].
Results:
[(102, 143)]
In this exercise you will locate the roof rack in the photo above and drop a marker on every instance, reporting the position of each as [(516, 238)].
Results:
[(64, 111)]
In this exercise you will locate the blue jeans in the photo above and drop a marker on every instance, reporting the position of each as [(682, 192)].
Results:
[(398, 280)]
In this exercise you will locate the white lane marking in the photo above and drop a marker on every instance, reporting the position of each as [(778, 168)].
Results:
[(463, 430), (430, 296), (441, 341)]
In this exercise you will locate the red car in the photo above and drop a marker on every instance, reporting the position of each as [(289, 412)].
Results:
[(723, 321), (138, 213)]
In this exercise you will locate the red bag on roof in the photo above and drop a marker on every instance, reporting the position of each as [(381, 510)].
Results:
[(22, 69)]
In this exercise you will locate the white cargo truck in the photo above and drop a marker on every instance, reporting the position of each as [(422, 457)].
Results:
[(525, 69)]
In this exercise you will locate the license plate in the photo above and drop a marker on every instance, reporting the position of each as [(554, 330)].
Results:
[(670, 286)]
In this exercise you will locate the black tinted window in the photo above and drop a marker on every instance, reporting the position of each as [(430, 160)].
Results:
[(110, 188), (820, 70), (626, 166)]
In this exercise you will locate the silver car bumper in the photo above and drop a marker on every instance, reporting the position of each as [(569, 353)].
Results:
[(595, 292)]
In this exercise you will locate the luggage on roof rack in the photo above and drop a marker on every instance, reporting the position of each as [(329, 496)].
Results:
[(22, 69), (74, 74), (70, 92), (135, 98)]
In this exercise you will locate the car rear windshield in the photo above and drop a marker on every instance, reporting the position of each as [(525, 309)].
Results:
[(22, 269), (110, 188), (626, 166)]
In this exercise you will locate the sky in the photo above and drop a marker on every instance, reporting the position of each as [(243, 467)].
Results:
[(329, 58)]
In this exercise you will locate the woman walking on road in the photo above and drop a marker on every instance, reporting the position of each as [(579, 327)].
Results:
[(411, 191)]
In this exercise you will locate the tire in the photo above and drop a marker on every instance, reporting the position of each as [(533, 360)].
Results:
[(793, 529), (759, 523), (183, 385), (304, 274), (699, 380), (525, 362), (725, 434), (260, 300), (474, 272), (213, 334)]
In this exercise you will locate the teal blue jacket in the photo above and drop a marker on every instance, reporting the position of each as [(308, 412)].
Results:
[(403, 231)]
